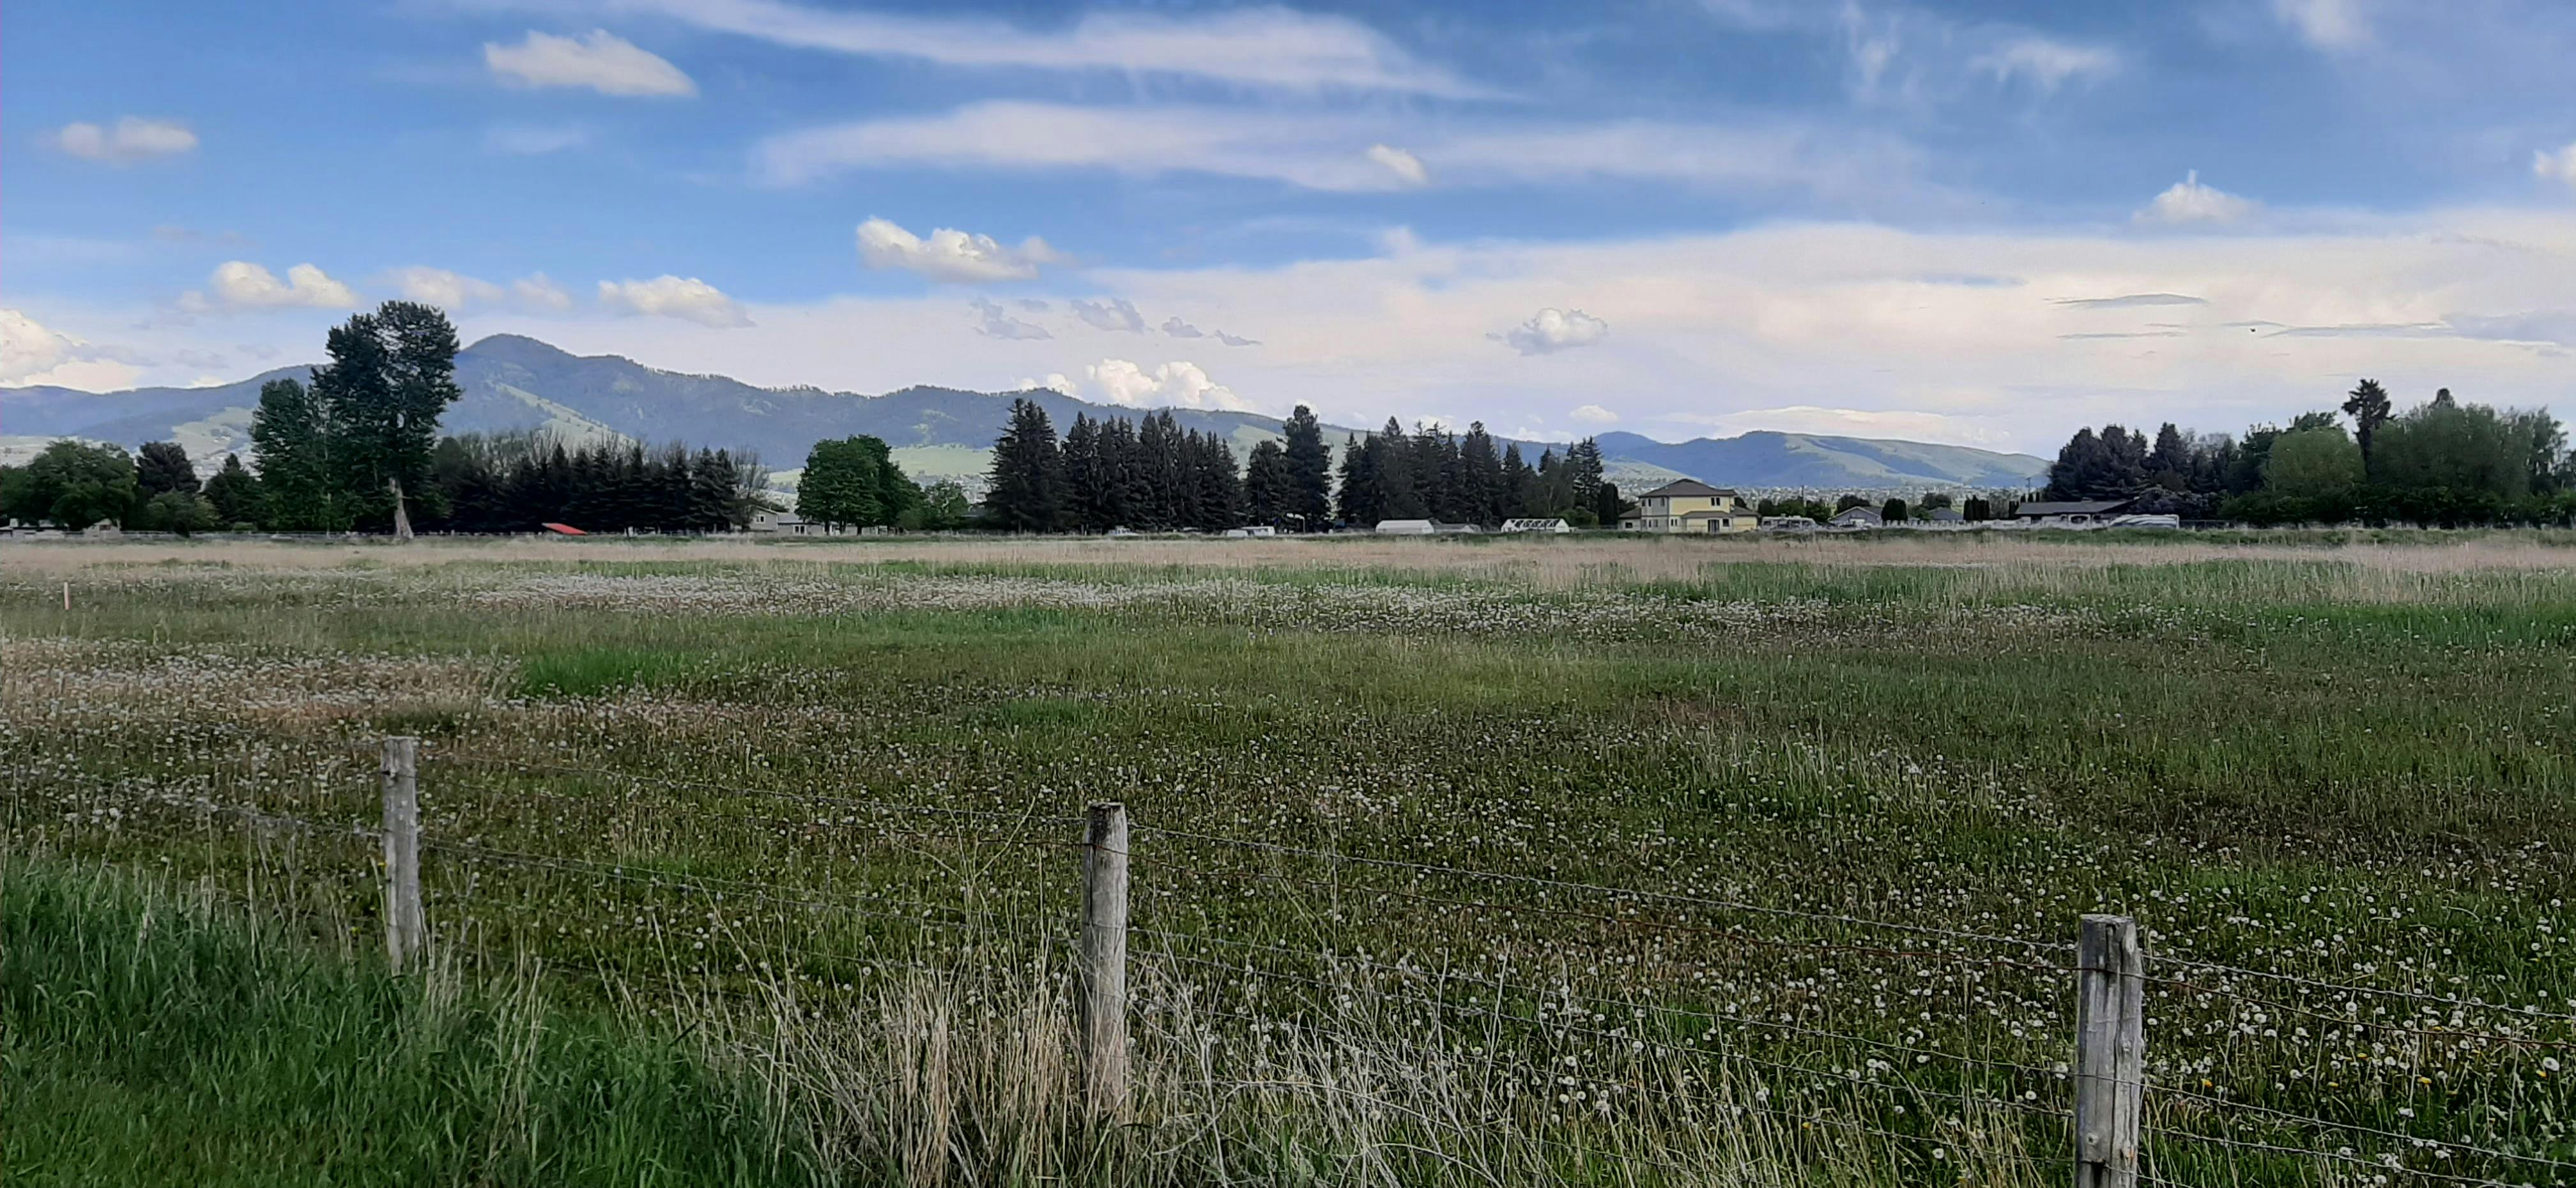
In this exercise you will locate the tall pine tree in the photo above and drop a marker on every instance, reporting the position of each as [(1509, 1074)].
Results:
[(1026, 492), (1310, 495)]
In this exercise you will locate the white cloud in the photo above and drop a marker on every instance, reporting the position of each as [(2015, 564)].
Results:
[(2560, 165), (539, 291), (242, 285), (2332, 25), (1269, 47), (1115, 313), (1318, 151), (1551, 330), (439, 287), (1177, 384), (33, 354), (1056, 381), (993, 321), (1594, 414), (1177, 328), (132, 140), (952, 255), (667, 296), (2046, 62), (599, 60), (1405, 166), (2189, 201), (453, 290)]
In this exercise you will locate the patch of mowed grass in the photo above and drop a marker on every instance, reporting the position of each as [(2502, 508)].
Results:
[(594, 671), (152, 1036)]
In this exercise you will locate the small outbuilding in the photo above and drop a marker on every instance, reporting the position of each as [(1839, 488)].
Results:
[(1406, 527), (2081, 513), (1544, 525), (1857, 517)]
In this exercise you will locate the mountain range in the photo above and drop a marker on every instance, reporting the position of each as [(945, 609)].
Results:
[(512, 382)]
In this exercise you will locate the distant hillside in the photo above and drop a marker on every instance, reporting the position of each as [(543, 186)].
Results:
[(517, 383)]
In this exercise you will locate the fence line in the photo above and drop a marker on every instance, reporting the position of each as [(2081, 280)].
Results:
[(1104, 967), (1594, 888)]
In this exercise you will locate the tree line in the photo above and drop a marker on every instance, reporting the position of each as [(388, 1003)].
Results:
[(356, 447), (1153, 475), (2442, 462)]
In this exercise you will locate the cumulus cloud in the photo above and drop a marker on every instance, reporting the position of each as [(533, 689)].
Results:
[(1265, 46), (2326, 24), (2046, 62), (1115, 313), (32, 353), (539, 291), (1177, 328), (242, 285), (455, 290), (1594, 414), (1056, 381), (1406, 167), (1177, 384), (1552, 330), (132, 140), (2189, 201), (686, 298), (2560, 165), (952, 255), (599, 60), (993, 321)]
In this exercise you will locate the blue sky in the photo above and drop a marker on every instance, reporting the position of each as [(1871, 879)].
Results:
[(1675, 217)]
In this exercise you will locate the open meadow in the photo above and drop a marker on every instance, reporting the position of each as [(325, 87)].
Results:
[(1588, 861)]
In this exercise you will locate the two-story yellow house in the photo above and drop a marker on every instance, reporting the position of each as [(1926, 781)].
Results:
[(1689, 505)]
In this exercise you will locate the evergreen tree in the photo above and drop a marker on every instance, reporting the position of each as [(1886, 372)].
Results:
[(1087, 477), (2169, 465), (1310, 495), (1584, 477), (1216, 486), (1359, 501), (1519, 483), (1270, 489), (2370, 407), (235, 493), (1482, 493), (1399, 475), (162, 467), (1026, 493), (1122, 482)]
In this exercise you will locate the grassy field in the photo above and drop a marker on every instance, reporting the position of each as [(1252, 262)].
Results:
[(806, 813)]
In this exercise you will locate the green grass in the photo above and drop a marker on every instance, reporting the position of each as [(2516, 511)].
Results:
[(149, 1037), (2348, 763)]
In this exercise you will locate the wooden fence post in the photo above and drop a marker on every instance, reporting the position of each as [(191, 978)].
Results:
[(1104, 963), (406, 927), (2110, 1052)]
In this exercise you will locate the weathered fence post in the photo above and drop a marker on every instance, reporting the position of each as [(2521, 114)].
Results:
[(1104, 963), (405, 925), (2110, 1052)]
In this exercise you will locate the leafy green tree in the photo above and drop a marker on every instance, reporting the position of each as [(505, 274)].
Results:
[(183, 512), (840, 485), (944, 508), (290, 436), (2465, 447), (391, 375), (1026, 493), (1310, 493), (2312, 463), (76, 485)]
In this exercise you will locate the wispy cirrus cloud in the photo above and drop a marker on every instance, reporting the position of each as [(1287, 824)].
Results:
[(598, 60), (129, 141), (1266, 47), (1334, 151)]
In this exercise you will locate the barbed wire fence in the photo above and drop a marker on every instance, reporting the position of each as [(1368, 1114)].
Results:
[(1111, 899)]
